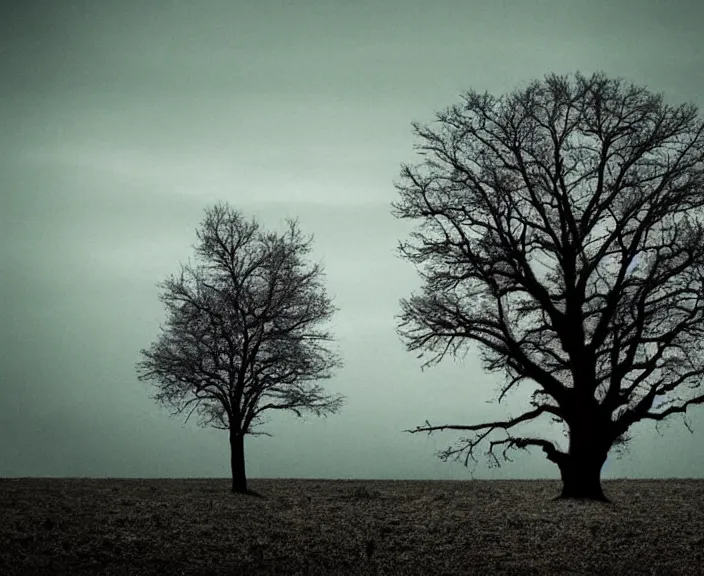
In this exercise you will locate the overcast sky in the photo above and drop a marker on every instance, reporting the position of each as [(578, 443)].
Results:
[(121, 122)]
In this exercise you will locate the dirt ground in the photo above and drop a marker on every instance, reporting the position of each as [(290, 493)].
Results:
[(330, 527)]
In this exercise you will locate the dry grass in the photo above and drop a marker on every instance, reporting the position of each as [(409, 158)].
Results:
[(79, 526)]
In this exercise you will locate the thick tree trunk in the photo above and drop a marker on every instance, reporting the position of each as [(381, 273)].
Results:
[(239, 478), (581, 478), (590, 433), (581, 468)]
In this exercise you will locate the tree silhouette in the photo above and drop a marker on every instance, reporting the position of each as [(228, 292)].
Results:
[(560, 229), (242, 333)]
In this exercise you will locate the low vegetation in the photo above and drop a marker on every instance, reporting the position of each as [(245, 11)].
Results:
[(328, 527)]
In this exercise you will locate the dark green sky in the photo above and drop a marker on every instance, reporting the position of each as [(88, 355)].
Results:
[(120, 123)]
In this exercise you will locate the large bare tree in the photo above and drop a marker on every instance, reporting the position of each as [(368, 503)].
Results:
[(243, 332), (560, 230)]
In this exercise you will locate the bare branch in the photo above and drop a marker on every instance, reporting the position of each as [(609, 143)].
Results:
[(491, 425)]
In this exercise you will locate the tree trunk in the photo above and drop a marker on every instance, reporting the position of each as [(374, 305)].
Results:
[(581, 471), (582, 479), (239, 478)]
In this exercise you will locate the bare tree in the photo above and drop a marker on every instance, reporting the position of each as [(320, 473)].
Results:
[(560, 230), (242, 335)]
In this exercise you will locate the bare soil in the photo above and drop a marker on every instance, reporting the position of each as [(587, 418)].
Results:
[(330, 527)]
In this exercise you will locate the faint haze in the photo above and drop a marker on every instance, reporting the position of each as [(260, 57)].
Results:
[(122, 122)]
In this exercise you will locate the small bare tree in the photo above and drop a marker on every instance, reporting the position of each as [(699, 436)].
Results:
[(242, 334), (561, 230)]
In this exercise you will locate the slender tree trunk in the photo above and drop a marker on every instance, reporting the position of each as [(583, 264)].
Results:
[(581, 469), (239, 478)]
